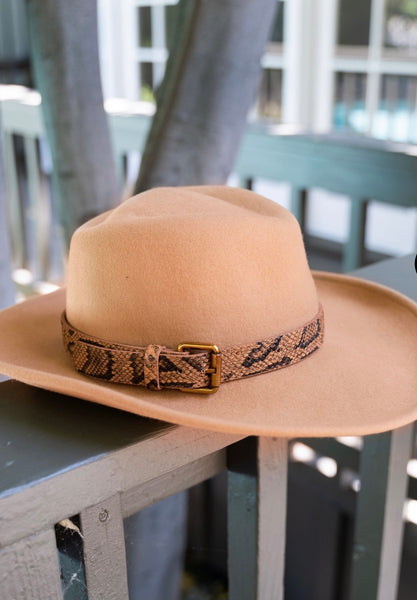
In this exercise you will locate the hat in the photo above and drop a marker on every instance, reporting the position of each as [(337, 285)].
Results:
[(179, 291)]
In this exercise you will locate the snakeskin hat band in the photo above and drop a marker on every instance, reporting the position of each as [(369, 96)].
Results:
[(156, 367), (197, 306)]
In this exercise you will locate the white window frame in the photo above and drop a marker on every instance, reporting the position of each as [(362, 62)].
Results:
[(312, 60), (309, 59)]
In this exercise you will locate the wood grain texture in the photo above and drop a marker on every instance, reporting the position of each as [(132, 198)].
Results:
[(29, 569), (104, 550), (180, 479), (46, 502)]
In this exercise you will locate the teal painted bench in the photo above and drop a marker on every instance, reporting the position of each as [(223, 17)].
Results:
[(361, 168)]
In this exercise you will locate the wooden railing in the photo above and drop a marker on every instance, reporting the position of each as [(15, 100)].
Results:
[(96, 466), (360, 168)]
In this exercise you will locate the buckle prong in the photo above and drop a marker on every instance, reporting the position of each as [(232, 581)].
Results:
[(214, 370)]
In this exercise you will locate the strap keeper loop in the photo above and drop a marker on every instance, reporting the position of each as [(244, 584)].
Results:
[(151, 366)]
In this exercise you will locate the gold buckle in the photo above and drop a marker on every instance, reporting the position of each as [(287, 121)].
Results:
[(213, 370)]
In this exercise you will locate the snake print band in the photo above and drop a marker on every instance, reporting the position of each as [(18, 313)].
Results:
[(191, 367)]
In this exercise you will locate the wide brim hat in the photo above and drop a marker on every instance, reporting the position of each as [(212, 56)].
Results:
[(225, 267)]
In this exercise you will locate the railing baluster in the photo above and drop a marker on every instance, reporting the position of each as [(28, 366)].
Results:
[(38, 211), (13, 203), (257, 499), (379, 522), (104, 550), (355, 245), (299, 206), (29, 569)]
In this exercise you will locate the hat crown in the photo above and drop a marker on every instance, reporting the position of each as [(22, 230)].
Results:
[(205, 264)]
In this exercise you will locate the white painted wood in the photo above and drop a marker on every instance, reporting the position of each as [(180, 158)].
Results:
[(391, 550), (154, 2), (23, 115), (272, 511), (271, 60), (293, 57), (376, 30), (325, 40), (117, 42), (373, 83), (309, 33), (29, 569), (38, 506), (152, 55), (159, 41), (104, 550), (127, 64), (350, 64), (107, 38)]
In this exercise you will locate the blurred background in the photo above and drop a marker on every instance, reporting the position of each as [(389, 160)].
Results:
[(340, 67)]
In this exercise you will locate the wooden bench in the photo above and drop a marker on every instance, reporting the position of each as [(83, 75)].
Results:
[(62, 457), (364, 169), (361, 168)]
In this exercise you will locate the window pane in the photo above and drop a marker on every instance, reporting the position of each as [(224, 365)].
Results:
[(349, 107), (400, 31), (146, 81), (354, 21), (270, 94), (277, 30), (395, 118), (144, 26)]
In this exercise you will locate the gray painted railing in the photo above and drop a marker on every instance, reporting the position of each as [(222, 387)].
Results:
[(104, 465)]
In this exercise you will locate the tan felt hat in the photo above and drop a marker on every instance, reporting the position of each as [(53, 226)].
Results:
[(208, 289)]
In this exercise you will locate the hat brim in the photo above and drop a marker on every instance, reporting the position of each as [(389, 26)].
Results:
[(362, 380)]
